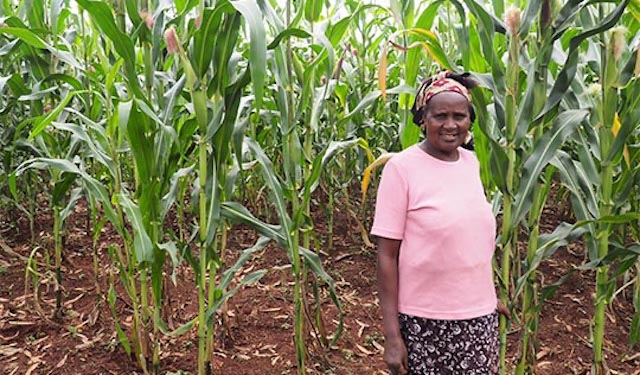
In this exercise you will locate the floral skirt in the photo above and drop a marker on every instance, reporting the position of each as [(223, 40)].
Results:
[(443, 347)]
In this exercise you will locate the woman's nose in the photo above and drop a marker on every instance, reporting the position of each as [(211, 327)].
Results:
[(449, 123)]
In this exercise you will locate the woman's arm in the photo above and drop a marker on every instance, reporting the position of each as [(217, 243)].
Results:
[(395, 352)]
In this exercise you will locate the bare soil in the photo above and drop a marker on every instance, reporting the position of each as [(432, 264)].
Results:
[(259, 318)]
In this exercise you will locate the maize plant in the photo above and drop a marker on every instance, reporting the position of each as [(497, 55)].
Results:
[(151, 110)]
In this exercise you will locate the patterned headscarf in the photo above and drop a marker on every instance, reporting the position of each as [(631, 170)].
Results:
[(437, 84)]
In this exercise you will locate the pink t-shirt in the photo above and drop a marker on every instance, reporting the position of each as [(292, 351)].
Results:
[(439, 211)]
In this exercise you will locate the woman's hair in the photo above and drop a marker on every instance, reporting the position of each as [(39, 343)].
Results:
[(464, 79)]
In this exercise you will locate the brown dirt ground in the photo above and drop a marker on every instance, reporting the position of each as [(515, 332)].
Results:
[(259, 317)]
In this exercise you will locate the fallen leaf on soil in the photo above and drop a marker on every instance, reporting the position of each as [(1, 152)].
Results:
[(8, 350), (377, 346), (543, 353), (611, 317), (18, 323), (628, 358), (363, 349), (362, 327), (86, 343), (273, 309), (69, 303), (62, 361), (33, 367), (343, 256), (543, 364)]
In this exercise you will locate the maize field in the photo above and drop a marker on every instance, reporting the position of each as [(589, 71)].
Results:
[(187, 186)]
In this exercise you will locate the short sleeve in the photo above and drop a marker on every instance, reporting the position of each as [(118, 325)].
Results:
[(391, 204)]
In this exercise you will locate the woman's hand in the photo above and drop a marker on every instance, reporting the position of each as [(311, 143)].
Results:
[(502, 309), (395, 356)]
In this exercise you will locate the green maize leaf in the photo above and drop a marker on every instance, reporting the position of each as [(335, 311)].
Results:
[(487, 81), (543, 152), (112, 74), (170, 197), (489, 24), (585, 204), (34, 10), (142, 243), (103, 17), (183, 328), (56, 7), (531, 11), (319, 164), (634, 331), (499, 164), (565, 17), (122, 336), (288, 33), (171, 248), (17, 85), (566, 75), (72, 81), (141, 141), (257, 45), (629, 125), (588, 153), (41, 122), (532, 97), (95, 188), (61, 187), (409, 134), (213, 213), (98, 131), (617, 253), (98, 153), (3, 83), (153, 116), (157, 278), (251, 278), (369, 99), (38, 95), (237, 212), (238, 139), (133, 13), (428, 15), (335, 32), (216, 121), (184, 6), (74, 197), (206, 36), (547, 246), (230, 273), (612, 219), (313, 261), (312, 10), (272, 181), (328, 47), (170, 99), (549, 290), (25, 35), (433, 47)]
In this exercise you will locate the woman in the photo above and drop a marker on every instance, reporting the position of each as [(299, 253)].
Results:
[(436, 237)]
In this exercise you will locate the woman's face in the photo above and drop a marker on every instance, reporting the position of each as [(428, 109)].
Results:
[(447, 123)]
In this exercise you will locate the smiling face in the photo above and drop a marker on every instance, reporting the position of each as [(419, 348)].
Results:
[(446, 123)]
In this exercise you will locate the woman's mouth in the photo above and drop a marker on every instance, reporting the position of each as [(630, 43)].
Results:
[(449, 137)]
